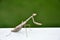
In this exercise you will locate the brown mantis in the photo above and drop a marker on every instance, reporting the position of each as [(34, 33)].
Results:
[(18, 27)]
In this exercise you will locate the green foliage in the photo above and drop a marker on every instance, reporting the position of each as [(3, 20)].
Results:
[(13, 12)]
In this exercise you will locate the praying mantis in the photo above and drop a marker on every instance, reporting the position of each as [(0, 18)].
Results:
[(20, 26)]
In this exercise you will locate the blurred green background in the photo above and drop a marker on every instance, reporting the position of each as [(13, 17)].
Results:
[(13, 12)]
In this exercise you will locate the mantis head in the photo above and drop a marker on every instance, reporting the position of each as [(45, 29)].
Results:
[(34, 14)]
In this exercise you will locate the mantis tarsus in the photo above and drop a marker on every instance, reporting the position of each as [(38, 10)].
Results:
[(18, 27)]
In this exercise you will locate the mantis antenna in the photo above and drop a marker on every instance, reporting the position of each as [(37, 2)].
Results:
[(18, 27)]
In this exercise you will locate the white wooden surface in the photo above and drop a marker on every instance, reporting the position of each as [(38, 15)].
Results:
[(30, 34)]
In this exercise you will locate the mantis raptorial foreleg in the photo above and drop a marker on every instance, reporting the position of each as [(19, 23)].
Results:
[(36, 22)]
